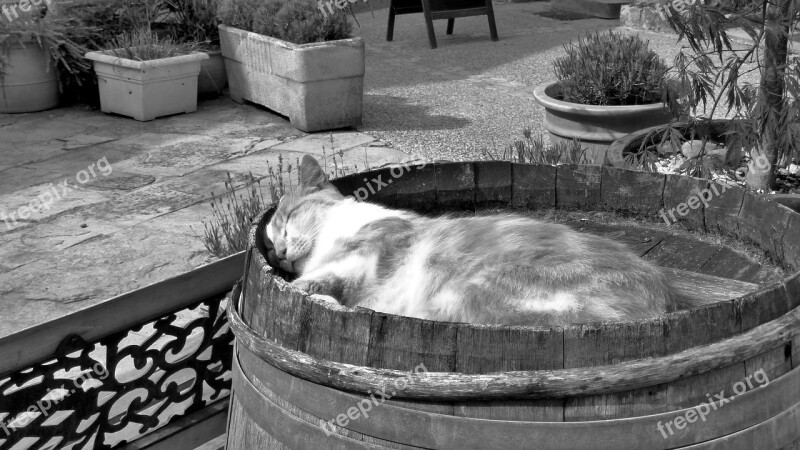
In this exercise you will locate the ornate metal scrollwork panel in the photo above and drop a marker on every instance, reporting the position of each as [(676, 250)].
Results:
[(107, 393)]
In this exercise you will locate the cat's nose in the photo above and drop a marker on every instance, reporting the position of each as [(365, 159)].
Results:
[(281, 252)]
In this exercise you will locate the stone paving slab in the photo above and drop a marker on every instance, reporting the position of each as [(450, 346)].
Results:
[(140, 205), (25, 176), (120, 181), (329, 142), (177, 155), (258, 163), (16, 155), (38, 242), (40, 129), (35, 203), (207, 182), (115, 264)]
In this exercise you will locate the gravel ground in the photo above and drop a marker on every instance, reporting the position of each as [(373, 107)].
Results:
[(470, 93)]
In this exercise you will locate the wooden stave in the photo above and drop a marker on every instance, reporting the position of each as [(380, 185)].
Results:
[(732, 312), (733, 424), (441, 385), (651, 329)]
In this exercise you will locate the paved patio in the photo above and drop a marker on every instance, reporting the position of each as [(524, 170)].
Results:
[(135, 221)]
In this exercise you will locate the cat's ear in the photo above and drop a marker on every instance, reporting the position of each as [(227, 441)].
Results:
[(312, 177)]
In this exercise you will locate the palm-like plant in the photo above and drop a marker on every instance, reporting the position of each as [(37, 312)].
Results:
[(712, 78)]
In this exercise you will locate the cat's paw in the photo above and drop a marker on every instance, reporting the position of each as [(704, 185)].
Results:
[(325, 298), (325, 285), (315, 290), (309, 286)]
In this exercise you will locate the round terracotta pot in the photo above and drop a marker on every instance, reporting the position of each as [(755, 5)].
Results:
[(595, 126), (31, 82)]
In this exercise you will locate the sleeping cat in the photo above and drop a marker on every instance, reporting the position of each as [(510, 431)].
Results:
[(494, 269)]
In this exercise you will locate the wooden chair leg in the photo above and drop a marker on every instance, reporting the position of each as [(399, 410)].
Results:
[(426, 8), (390, 26), (490, 15), (450, 24)]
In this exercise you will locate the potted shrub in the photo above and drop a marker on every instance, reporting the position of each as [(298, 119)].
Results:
[(93, 25), (34, 48), (290, 57), (145, 77), (608, 85), (714, 69), (196, 21)]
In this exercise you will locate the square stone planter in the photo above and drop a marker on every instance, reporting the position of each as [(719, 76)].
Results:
[(145, 90), (319, 86)]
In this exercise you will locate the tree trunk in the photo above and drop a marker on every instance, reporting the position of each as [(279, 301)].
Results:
[(763, 165)]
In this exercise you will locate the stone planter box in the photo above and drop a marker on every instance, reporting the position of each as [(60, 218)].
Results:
[(595, 126), (319, 86), (145, 90)]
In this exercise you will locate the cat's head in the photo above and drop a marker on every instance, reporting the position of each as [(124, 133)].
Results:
[(294, 227)]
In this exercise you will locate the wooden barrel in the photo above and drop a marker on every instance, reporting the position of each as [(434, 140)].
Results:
[(312, 375)]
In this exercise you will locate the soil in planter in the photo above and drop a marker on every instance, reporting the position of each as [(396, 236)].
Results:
[(787, 179)]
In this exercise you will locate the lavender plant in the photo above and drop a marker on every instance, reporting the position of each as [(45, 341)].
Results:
[(297, 21), (533, 149), (144, 45), (232, 214), (610, 69)]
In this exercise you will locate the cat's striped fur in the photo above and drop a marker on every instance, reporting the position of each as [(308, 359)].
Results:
[(497, 269)]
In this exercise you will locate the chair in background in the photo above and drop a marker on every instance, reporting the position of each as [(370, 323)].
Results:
[(441, 9)]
